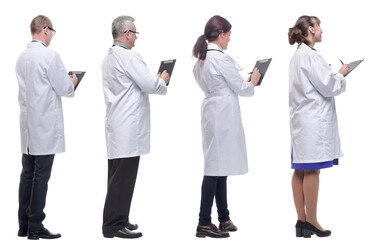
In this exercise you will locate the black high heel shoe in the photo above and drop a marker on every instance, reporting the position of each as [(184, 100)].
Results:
[(309, 229), (299, 228)]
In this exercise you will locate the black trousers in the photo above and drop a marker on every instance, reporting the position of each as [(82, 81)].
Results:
[(213, 187), (35, 175), (122, 175)]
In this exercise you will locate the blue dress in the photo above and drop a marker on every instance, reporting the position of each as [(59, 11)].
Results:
[(313, 166)]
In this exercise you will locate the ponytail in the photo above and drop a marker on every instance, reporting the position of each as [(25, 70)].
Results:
[(200, 49), (213, 28)]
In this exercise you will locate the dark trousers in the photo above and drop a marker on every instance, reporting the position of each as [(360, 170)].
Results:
[(122, 175), (213, 187), (35, 175)]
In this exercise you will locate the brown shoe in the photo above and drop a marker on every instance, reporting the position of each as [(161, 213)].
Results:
[(210, 231), (227, 226)]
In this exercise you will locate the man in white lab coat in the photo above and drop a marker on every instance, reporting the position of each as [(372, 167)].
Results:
[(127, 84), (43, 80)]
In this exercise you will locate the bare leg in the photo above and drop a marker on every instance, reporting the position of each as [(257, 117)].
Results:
[(298, 194), (310, 187)]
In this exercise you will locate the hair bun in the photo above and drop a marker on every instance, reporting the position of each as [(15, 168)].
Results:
[(295, 35), (299, 32)]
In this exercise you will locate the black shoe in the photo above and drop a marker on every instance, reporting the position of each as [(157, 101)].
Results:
[(210, 231), (131, 226), (299, 228), (22, 232), (228, 226), (43, 233), (309, 229), (123, 233)]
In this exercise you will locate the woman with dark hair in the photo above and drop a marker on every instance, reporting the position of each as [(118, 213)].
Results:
[(315, 140), (224, 144)]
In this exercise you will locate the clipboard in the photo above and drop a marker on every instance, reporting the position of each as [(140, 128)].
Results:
[(167, 65), (79, 75), (262, 65), (353, 65)]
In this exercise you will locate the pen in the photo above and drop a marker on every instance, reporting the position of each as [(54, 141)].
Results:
[(341, 62)]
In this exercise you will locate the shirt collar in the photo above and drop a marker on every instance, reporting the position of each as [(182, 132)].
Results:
[(123, 45), (44, 44)]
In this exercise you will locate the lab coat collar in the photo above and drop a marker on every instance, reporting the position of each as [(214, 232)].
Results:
[(309, 46), (215, 47)]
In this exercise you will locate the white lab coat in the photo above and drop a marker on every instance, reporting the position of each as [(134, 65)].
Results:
[(224, 144), (43, 80), (313, 119), (127, 84)]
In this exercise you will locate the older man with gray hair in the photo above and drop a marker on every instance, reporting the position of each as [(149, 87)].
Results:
[(127, 84)]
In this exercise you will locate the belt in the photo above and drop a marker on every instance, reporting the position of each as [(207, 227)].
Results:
[(220, 92)]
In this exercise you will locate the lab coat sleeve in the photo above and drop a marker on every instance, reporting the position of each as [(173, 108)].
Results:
[(233, 79), (140, 74), (322, 77), (59, 78)]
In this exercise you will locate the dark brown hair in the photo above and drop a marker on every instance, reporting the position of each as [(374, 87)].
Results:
[(213, 28), (38, 23), (299, 32)]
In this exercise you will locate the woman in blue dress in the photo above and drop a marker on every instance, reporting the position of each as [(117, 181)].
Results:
[(315, 142)]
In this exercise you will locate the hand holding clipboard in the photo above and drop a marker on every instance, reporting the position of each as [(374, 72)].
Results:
[(352, 65), (79, 75), (167, 66), (262, 66)]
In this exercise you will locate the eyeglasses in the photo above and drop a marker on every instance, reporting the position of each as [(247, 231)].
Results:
[(136, 33), (51, 29)]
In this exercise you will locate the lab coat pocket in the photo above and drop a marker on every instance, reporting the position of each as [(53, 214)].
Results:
[(143, 121), (24, 131), (24, 121), (327, 134), (59, 125)]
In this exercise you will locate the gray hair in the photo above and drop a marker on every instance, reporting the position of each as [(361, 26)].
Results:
[(121, 24)]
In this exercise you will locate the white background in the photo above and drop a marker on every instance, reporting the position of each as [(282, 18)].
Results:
[(167, 195)]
